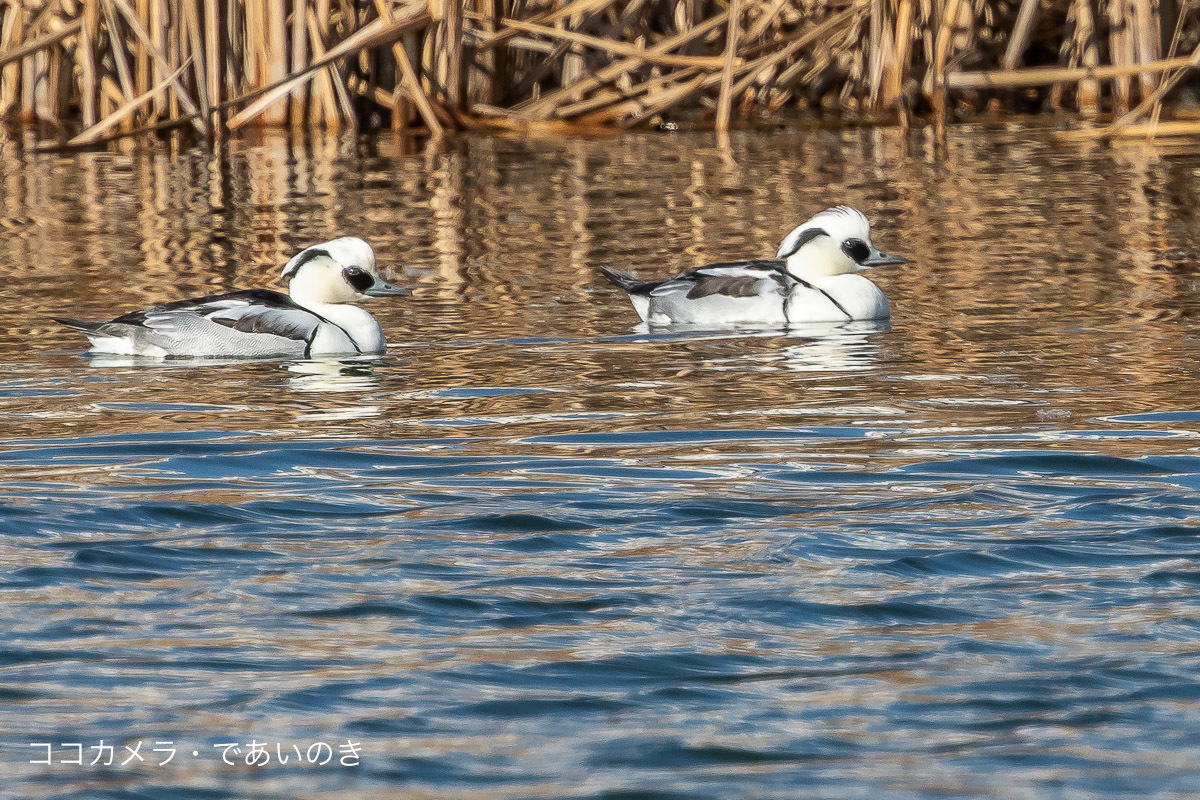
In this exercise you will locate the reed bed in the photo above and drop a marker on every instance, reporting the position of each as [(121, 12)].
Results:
[(88, 70)]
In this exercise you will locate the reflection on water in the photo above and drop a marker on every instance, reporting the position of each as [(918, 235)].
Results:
[(539, 551)]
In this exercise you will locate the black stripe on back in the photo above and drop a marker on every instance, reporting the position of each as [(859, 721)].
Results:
[(261, 297)]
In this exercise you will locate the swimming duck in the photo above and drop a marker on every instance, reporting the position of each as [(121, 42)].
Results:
[(813, 279), (315, 318)]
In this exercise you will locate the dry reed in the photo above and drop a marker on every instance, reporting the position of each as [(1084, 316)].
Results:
[(91, 69)]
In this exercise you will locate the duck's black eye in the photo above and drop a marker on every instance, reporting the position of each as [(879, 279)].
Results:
[(359, 278), (857, 249)]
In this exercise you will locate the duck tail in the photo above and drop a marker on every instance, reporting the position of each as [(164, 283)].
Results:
[(626, 282), (78, 324)]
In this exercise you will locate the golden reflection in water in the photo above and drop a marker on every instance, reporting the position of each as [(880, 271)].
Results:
[(1056, 280), (446, 185)]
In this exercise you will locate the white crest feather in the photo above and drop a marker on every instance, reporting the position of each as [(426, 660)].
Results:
[(840, 222)]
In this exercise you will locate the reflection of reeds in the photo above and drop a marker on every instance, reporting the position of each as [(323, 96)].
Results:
[(1009, 237), (108, 66)]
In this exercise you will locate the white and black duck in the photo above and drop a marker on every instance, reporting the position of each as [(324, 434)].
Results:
[(813, 279), (315, 317)]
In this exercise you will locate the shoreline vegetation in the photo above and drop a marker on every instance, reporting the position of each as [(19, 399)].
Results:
[(87, 71)]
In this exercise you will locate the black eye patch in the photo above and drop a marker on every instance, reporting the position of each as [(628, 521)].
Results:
[(360, 279), (857, 250)]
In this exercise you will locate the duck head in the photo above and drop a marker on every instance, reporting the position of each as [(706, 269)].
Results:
[(836, 241), (339, 271)]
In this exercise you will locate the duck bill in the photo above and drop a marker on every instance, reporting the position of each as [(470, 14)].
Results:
[(881, 259), (385, 289)]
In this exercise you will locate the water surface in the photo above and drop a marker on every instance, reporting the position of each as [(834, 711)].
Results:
[(536, 551)]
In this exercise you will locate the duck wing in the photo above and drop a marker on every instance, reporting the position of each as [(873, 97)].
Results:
[(250, 323), (734, 279), (250, 311)]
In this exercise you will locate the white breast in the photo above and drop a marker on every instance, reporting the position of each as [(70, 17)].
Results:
[(363, 331), (860, 298)]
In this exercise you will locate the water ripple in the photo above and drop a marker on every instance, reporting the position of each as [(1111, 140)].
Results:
[(537, 551)]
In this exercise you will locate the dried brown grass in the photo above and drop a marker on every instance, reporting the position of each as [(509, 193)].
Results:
[(91, 69)]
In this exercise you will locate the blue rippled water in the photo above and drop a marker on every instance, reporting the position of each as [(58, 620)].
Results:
[(535, 552)]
